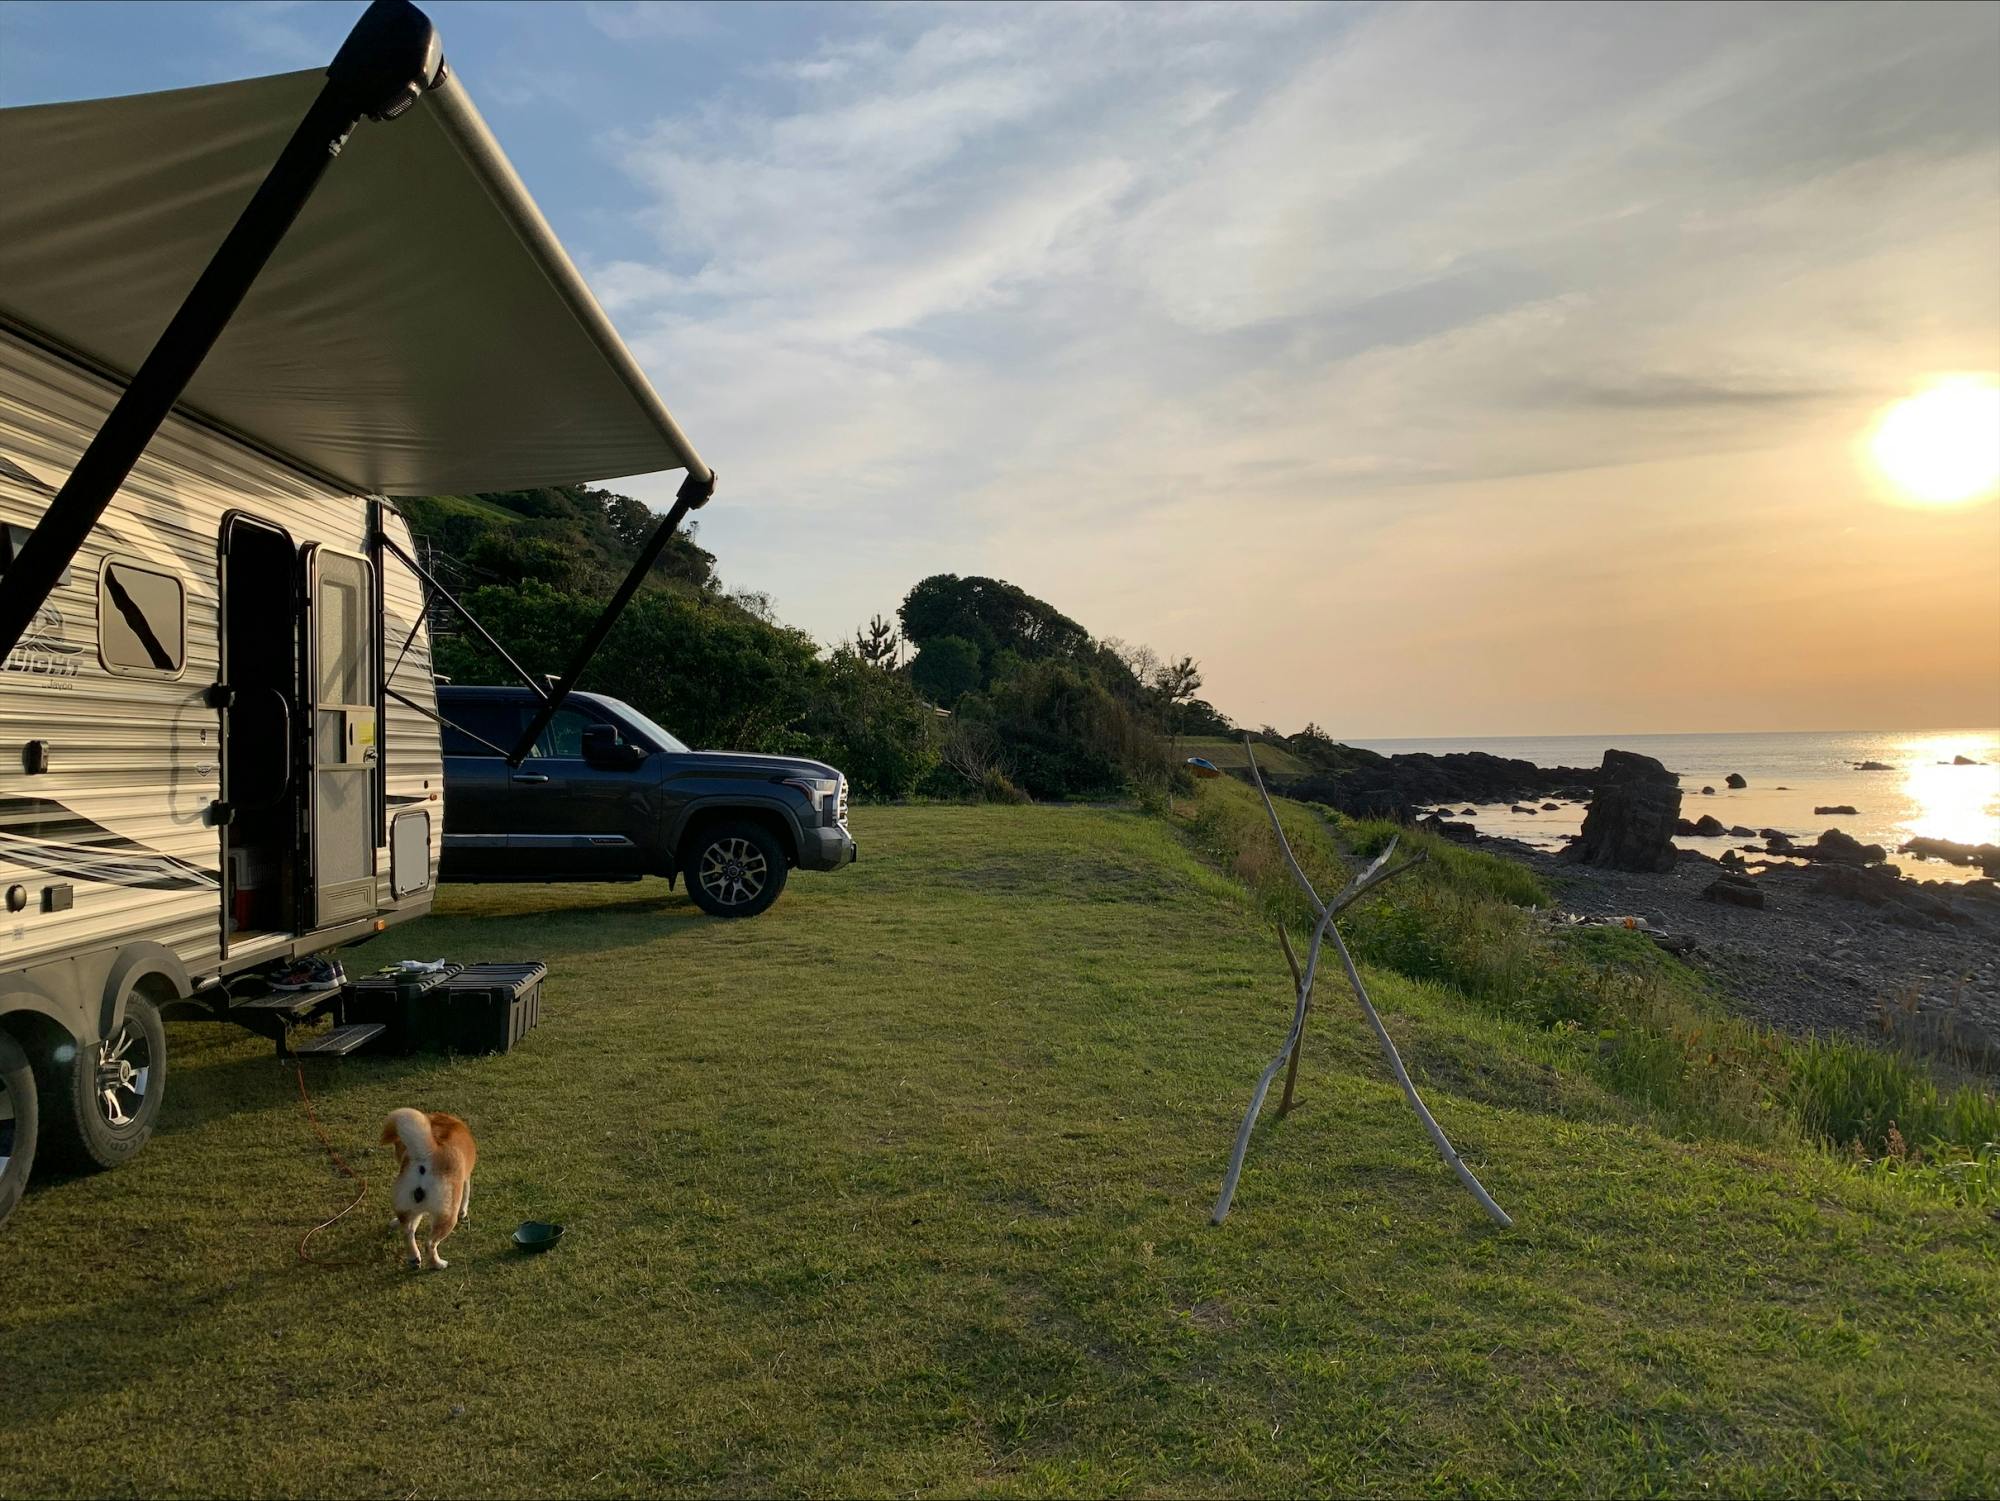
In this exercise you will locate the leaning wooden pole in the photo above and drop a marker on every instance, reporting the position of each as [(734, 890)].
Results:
[(1298, 983), (1374, 875), (1366, 881)]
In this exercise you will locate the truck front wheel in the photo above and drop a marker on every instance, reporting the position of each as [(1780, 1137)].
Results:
[(737, 868), (101, 1100), (17, 1123)]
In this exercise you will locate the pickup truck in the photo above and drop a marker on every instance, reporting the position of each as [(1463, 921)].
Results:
[(607, 795)]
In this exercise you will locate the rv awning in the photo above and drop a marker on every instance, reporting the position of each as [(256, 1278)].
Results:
[(419, 330)]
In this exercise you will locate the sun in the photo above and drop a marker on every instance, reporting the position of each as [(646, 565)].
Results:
[(1941, 447)]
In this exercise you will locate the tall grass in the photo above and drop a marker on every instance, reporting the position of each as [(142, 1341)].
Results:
[(1642, 1022)]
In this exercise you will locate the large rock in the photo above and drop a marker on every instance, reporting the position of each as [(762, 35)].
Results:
[(1963, 761), (1836, 810), (1905, 901), (1460, 833), (1708, 826), (1735, 891), (1734, 779), (1629, 824), (1869, 766), (1985, 856), (1843, 849)]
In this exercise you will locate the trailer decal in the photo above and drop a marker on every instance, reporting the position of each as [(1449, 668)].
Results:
[(45, 836)]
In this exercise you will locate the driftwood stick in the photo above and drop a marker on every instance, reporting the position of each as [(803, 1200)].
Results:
[(1438, 1138), (1222, 1199), (1374, 875), (1298, 984)]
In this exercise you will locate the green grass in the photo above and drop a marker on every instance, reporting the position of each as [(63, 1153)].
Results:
[(1227, 752), (903, 1188), (1608, 1002)]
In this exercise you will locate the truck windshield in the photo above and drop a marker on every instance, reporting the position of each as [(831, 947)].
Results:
[(660, 738)]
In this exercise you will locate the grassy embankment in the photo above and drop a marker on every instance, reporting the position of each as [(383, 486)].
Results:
[(1227, 752), (903, 1188), (1609, 1004)]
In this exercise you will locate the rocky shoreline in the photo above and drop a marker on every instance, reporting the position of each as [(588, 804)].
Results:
[(1861, 951), (1805, 936), (1818, 935), (1367, 784)]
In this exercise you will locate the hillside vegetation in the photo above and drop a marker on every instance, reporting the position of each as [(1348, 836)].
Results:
[(986, 691), (904, 1188)]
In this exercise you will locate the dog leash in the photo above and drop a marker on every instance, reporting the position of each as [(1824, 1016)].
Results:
[(360, 1193)]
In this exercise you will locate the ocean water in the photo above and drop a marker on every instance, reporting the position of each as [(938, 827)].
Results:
[(1789, 774)]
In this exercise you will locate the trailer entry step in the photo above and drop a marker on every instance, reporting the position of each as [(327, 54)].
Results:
[(296, 1002), (341, 1041)]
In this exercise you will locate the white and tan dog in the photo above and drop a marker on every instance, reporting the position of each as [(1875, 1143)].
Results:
[(434, 1159)]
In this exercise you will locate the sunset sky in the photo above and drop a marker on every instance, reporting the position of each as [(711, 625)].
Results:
[(1454, 371)]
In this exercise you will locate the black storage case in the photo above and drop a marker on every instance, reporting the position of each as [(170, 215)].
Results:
[(403, 1003), (487, 1008)]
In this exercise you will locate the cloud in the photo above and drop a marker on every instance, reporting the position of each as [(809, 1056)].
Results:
[(652, 20), (970, 281)]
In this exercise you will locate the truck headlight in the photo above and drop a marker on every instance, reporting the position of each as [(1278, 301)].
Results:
[(825, 796)]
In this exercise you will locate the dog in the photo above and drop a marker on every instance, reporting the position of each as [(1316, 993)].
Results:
[(434, 1159)]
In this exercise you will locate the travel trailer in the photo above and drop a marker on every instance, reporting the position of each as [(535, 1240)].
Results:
[(219, 743)]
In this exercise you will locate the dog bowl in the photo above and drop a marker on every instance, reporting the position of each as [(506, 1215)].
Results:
[(535, 1235)]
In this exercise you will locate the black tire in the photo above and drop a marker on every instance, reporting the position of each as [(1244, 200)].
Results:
[(17, 1124), (100, 1102), (735, 868)]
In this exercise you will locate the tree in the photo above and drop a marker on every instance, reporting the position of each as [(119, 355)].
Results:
[(994, 616), (1176, 683), (872, 725), (946, 668), (879, 645)]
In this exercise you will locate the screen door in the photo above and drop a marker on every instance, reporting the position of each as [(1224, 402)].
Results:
[(341, 601)]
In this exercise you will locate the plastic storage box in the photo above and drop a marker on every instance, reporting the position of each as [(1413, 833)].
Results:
[(487, 1008), (406, 1005)]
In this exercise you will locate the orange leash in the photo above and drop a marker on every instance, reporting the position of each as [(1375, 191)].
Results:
[(340, 1162)]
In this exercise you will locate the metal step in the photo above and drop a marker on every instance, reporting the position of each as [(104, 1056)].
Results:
[(341, 1041), (291, 1002)]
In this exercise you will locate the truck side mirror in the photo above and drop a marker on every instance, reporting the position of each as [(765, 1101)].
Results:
[(603, 747)]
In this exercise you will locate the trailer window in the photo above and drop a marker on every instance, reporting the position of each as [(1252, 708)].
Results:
[(141, 620)]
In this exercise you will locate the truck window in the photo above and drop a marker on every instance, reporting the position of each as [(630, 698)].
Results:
[(564, 736), (141, 619), (498, 720)]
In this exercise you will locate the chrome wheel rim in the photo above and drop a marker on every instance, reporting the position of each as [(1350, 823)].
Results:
[(733, 871), (124, 1069)]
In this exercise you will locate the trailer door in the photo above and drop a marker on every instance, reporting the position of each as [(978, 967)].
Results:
[(344, 747)]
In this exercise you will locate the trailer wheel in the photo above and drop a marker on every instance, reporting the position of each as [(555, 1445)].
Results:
[(101, 1101), (17, 1123)]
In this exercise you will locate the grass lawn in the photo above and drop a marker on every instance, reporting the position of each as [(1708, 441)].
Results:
[(903, 1188), (1226, 751)]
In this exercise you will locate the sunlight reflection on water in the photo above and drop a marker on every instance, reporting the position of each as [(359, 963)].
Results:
[(1949, 801)]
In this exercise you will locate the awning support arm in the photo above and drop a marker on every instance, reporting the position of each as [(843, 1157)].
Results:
[(470, 619), (390, 58), (693, 494), (438, 719)]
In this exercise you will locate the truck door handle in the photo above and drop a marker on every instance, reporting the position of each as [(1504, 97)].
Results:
[(531, 777)]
